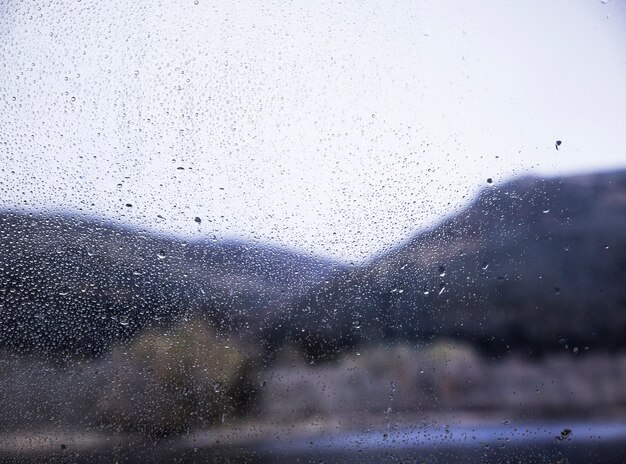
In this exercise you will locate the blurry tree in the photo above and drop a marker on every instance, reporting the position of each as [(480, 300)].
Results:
[(168, 381)]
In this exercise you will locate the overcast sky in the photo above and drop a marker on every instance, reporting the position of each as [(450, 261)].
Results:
[(336, 128)]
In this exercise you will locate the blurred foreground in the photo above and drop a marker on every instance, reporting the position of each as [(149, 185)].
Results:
[(189, 393)]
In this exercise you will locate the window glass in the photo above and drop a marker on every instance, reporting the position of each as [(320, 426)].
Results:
[(312, 231)]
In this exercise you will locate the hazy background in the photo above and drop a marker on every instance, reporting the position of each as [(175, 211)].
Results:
[(333, 128)]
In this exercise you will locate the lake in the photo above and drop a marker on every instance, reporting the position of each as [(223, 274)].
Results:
[(578, 442)]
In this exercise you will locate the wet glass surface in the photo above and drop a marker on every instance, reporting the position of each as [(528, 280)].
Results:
[(312, 232)]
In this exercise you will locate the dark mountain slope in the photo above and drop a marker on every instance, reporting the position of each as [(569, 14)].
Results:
[(75, 286), (536, 264)]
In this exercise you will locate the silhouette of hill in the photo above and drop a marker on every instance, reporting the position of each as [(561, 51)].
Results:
[(70, 285), (534, 265)]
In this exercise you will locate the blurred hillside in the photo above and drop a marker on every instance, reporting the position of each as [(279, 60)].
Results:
[(535, 265), (70, 285)]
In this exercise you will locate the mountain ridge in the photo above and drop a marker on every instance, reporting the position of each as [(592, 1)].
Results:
[(533, 264), (522, 267), (74, 285)]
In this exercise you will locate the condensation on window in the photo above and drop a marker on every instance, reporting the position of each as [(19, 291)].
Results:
[(316, 232)]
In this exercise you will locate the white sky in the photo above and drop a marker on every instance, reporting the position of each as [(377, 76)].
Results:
[(336, 128)]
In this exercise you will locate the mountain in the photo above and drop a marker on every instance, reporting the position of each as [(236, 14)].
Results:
[(534, 265), (72, 285)]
